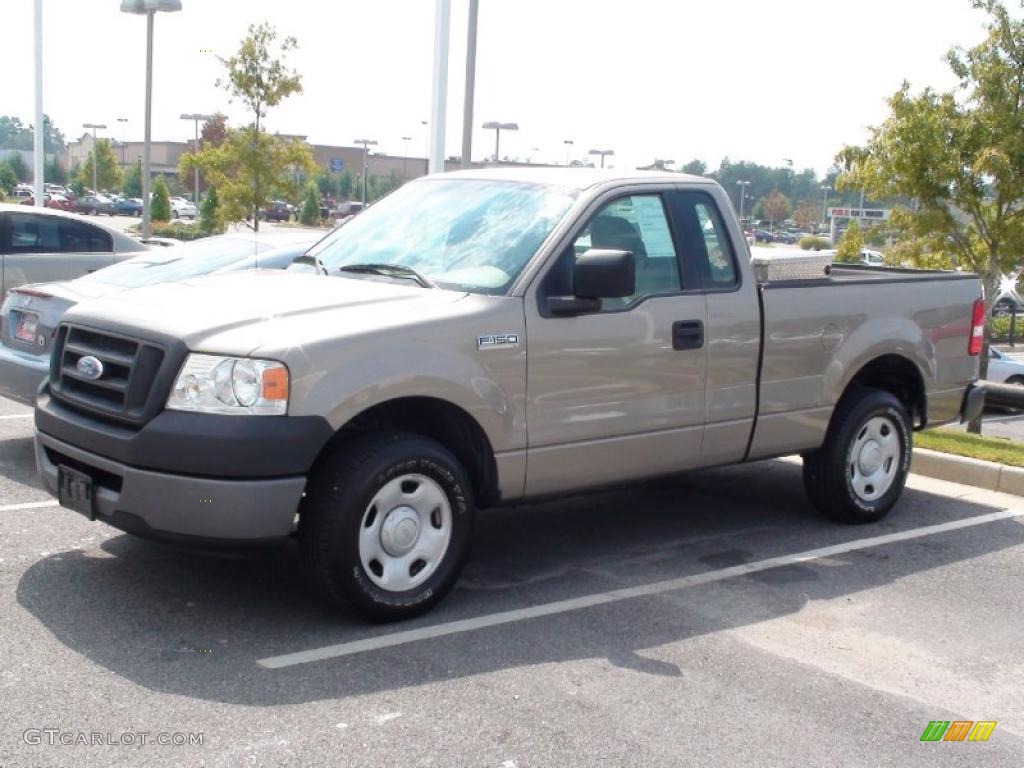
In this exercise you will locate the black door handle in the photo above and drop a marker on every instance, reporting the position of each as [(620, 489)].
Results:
[(687, 334)]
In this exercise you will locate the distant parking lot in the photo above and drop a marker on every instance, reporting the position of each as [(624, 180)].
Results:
[(707, 619)]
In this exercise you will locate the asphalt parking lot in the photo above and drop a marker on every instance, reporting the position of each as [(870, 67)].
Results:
[(708, 619)]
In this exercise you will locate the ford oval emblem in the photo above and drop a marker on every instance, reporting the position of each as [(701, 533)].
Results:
[(89, 368)]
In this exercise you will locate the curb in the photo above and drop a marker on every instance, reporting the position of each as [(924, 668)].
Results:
[(967, 471)]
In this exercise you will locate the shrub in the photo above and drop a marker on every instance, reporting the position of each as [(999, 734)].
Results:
[(310, 214), (8, 179), (851, 244), (160, 207), (812, 243), (180, 230), (210, 219)]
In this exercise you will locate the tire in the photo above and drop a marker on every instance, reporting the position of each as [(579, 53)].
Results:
[(859, 472), (94, 212), (368, 504)]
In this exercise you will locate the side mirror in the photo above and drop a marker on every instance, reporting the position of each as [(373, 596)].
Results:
[(598, 274)]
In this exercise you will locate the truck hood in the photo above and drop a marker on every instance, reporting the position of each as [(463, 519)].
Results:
[(237, 312)]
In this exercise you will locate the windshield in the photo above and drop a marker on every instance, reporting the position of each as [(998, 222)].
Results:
[(177, 263), (463, 234)]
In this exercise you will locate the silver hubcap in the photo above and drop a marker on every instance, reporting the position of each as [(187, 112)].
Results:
[(405, 532), (874, 458)]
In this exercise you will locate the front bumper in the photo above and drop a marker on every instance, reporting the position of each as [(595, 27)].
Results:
[(178, 508), (21, 374)]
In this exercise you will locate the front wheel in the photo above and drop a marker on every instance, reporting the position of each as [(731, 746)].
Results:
[(859, 472), (385, 524)]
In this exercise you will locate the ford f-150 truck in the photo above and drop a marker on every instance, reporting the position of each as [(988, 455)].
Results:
[(486, 336)]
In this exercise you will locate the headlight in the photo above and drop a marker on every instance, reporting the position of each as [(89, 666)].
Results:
[(235, 385)]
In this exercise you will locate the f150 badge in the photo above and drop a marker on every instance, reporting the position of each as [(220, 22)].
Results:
[(492, 340)]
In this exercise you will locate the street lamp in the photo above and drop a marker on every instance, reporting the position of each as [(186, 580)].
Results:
[(367, 143), (497, 127), (95, 127), (149, 8), (743, 196), (603, 153), (825, 188), (568, 148), (405, 155), (196, 117)]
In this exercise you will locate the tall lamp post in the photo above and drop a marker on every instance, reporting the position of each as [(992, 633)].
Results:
[(825, 189), (568, 149), (148, 8), (494, 125), (38, 139), (196, 117), (367, 143), (743, 196), (603, 153), (95, 127)]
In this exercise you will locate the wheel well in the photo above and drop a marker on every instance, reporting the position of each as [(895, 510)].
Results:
[(442, 421), (899, 376)]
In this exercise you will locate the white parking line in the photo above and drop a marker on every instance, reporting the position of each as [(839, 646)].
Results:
[(28, 505), (617, 595), (16, 416)]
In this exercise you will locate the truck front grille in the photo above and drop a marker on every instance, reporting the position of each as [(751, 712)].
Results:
[(121, 391)]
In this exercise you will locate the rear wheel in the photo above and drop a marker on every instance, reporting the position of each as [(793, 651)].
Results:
[(859, 472), (385, 525)]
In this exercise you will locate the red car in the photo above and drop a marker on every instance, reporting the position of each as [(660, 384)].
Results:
[(51, 201)]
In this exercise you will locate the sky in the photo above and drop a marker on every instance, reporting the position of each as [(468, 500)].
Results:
[(670, 79)]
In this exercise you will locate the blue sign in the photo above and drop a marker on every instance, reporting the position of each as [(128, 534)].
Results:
[(337, 164)]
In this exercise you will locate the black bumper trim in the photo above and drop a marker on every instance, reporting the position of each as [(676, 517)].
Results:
[(198, 444)]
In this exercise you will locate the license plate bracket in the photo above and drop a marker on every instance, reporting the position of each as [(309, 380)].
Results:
[(75, 491), (25, 326)]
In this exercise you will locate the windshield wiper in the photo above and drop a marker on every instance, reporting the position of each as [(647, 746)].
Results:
[(390, 270)]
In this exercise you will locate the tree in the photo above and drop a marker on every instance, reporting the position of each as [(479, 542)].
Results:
[(310, 213), (957, 160), (806, 215), (54, 172), (345, 184), (257, 76), (210, 219), (8, 179), (108, 171), (17, 164), (160, 205), (214, 130), (775, 206), (695, 167), (131, 185), (851, 244), (246, 155)]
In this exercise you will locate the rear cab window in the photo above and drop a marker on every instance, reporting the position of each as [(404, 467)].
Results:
[(32, 233)]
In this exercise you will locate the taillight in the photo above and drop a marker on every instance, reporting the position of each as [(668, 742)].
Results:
[(977, 328)]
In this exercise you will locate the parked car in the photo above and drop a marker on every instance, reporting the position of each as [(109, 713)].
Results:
[(872, 258), (58, 202), (39, 245), (182, 208), (542, 331), (277, 210), (128, 206), (788, 238), (30, 313), (763, 236), (94, 205), (1004, 369)]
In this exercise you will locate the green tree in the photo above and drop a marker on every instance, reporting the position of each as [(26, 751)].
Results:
[(54, 172), (8, 178), (695, 167), (108, 170), (210, 219), (957, 160), (245, 155), (310, 213), (806, 215), (17, 164), (345, 184), (850, 244), (131, 185), (258, 77), (160, 205)]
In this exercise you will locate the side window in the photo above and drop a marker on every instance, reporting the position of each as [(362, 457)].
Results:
[(32, 233), (638, 224), (717, 268)]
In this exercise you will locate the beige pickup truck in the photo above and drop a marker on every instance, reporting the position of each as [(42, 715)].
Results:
[(487, 336)]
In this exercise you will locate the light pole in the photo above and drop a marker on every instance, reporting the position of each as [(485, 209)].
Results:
[(426, 147), (367, 143), (94, 127), (405, 156), (149, 8), (439, 89), (825, 188), (493, 125), (467, 108), (38, 143), (743, 196), (196, 117), (568, 148), (603, 153)]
